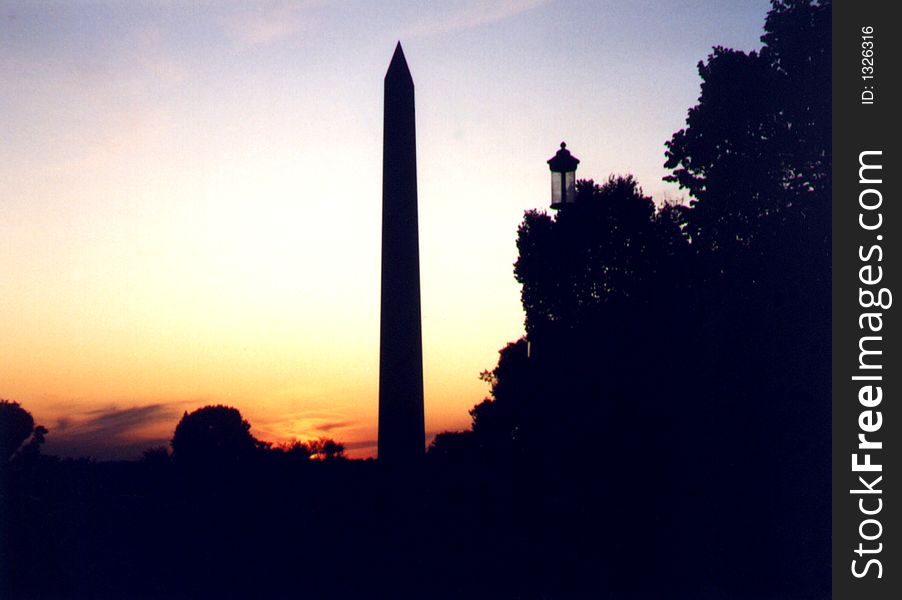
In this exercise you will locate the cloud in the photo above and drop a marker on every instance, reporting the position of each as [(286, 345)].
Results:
[(329, 426), (469, 14), (361, 445), (265, 22), (114, 433), (116, 423), (306, 425)]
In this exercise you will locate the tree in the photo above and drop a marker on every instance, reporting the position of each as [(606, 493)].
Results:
[(500, 421), (758, 142), (609, 252), (295, 450), (16, 424), (456, 447), (213, 434), (682, 354), (593, 278), (325, 449), (32, 450), (756, 157)]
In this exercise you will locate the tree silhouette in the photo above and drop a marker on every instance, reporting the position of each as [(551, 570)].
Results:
[(756, 157), (32, 450), (213, 434), (593, 278), (325, 449), (656, 337), (759, 139), (296, 450), (502, 423), (16, 424), (453, 446), (609, 251)]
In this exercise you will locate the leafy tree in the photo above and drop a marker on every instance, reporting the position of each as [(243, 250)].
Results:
[(453, 446), (325, 449), (213, 434), (500, 422), (615, 291), (797, 45), (16, 424), (660, 336), (593, 277), (610, 251), (295, 450), (32, 450), (758, 142), (756, 157)]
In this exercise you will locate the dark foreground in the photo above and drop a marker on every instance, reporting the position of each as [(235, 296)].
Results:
[(351, 529)]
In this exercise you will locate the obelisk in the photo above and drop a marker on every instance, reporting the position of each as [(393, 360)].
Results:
[(401, 424)]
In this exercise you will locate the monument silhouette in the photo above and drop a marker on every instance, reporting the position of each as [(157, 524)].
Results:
[(401, 421)]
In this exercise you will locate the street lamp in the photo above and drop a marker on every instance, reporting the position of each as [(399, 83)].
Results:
[(563, 177)]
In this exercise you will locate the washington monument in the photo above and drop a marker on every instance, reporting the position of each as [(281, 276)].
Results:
[(402, 434)]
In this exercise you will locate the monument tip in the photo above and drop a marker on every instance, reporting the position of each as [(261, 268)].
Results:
[(398, 63)]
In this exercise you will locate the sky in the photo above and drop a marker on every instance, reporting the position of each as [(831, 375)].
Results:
[(190, 193)]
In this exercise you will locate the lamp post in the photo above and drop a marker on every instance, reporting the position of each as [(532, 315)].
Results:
[(563, 177)]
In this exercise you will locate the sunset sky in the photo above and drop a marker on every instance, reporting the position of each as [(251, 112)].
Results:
[(190, 193)]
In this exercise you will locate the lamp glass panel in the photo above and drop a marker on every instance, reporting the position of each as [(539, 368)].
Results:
[(570, 185), (555, 188)]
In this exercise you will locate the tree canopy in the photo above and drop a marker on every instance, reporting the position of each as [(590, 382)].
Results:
[(16, 424), (609, 252), (758, 142), (213, 434), (692, 343)]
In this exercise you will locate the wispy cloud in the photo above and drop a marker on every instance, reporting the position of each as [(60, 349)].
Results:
[(330, 425), (307, 425), (265, 22), (468, 14), (361, 445), (119, 422), (113, 433)]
